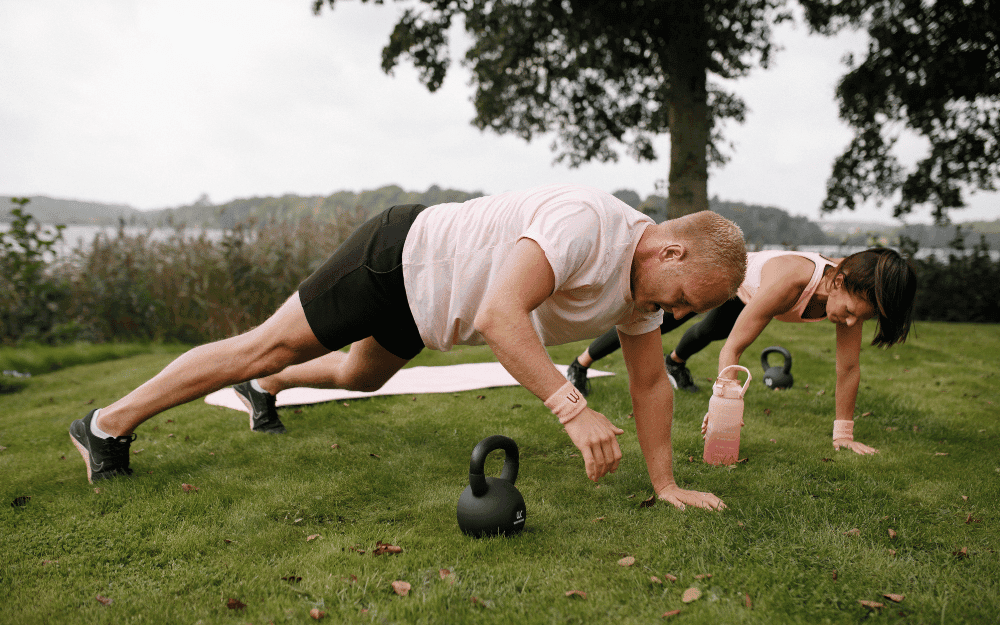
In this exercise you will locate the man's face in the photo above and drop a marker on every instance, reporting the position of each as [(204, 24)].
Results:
[(679, 290)]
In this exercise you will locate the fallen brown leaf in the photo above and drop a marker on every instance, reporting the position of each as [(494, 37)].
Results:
[(941, 453), (892, 533), (670, 613), (104, 600), (656, 580), (576, 593), (965, 497), (187, 488), (833, 574), (767, 411), (138, 451), (235, 604), (97, 491), (703, 576), (476, 601), (892, 552), (316, 613), (668, 576), (600, 518), (691, 594), (312, 537), (446, 575), (866, 414), (853, 532), (401, 588), (871, 605), (747, 602), (961, 553), (383, 548), (649, 503), (376, 456), (894, 597), (335, 446), (626, 561)]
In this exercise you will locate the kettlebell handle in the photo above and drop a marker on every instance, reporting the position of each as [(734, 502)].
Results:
[(476, 465), (781, 350)]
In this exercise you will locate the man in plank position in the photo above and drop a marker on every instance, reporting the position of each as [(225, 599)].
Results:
[(517, 270)]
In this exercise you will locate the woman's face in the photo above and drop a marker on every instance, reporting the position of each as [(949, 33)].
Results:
[(845, 307)]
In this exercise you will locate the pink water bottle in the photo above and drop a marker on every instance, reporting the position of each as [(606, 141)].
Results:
[(724, 419)]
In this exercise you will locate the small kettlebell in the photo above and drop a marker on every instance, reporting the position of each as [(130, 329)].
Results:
[(488, 505), (777, 377)]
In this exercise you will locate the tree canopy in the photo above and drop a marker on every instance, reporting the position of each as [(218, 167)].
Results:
[(932, 68), (604, 76)]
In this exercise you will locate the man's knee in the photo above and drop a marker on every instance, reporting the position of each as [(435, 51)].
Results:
[(363, 381)]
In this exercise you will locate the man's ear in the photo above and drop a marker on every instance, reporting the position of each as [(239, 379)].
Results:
[(673, 251), (838, 281)]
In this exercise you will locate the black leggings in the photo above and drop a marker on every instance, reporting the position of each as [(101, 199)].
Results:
[(608, 342), (716, 325)]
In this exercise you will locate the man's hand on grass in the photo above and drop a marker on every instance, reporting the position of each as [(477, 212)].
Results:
[(596, 438), (855, 446), (681, 498)]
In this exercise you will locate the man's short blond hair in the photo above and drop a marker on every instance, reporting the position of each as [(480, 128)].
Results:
[(716, 245)]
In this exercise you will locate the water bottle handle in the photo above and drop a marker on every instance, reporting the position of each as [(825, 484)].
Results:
[(743, 390)]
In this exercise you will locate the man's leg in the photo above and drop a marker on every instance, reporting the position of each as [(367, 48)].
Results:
[(367, 366), (284, 339)]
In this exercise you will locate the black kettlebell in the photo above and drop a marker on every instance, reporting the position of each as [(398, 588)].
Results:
[(489, 505), (777, 377)]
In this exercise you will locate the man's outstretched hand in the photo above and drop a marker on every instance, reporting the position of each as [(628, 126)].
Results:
[(681, 498), (596, 438)]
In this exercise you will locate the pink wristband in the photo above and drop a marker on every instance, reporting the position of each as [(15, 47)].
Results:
[(566, 403), (842, 428)]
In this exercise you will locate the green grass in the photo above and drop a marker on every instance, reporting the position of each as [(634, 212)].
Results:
[(163, 555)]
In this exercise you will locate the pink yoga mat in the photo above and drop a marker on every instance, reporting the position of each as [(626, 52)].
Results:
[(415, 380)]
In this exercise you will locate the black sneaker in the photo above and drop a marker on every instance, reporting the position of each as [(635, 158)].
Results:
[(680, 377), (577, 374), (263, 414), (105, 457)]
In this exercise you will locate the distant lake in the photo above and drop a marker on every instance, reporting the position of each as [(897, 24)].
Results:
[(75, 234)]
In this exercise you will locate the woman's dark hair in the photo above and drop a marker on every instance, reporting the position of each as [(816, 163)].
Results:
[(888, 282)]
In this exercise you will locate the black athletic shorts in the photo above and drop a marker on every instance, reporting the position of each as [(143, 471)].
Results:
[(359, 292)]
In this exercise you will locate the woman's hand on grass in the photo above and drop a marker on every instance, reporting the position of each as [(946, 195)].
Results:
[(596, 438), (681, 498), (855, 446)]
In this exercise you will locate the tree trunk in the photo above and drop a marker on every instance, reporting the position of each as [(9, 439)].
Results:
[(686, 60)]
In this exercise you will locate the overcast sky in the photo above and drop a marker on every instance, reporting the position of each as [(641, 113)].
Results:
[(153, 103)]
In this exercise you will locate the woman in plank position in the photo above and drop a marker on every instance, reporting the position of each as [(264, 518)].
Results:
[(797, 287)]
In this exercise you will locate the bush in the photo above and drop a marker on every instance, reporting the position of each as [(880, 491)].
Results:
[(193, 289), (125, 286), (966, 288), (31, 293)]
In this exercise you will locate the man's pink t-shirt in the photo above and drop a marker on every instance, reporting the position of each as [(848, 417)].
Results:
[(454, 252)]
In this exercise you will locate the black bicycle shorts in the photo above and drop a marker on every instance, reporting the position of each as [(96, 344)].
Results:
[(358, 292)]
